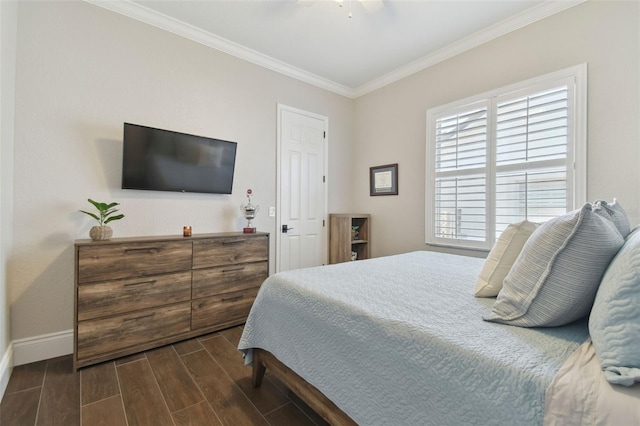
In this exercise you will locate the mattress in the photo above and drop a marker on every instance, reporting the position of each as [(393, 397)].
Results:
[(400, 340)]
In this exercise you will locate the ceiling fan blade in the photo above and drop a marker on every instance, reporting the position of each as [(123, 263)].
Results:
[(371, 6)]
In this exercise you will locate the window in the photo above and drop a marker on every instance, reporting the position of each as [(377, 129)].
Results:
[(513, 154)]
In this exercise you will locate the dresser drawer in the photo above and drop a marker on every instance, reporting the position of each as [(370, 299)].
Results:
[(115, 261), (230, 278), (103, 299), (100, 336), (222, 309), (230, 250)]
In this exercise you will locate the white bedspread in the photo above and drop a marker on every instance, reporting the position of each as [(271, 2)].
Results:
[(400, 340)]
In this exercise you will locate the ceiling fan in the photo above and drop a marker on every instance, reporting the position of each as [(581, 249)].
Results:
[(370, 6)]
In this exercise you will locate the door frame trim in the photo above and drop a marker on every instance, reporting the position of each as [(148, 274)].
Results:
[(325, 201)]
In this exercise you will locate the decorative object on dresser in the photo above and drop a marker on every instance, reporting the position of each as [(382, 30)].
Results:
[(104, 216), (249, 211), (349, 237), (133, 294)]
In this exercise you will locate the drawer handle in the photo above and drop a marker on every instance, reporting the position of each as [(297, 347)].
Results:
[(233, 298), (242, 240), (240, 268), (140, 317), (140, 283), (145, 249)]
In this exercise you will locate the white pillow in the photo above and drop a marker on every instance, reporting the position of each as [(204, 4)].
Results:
[(554, 280), (501, 258)]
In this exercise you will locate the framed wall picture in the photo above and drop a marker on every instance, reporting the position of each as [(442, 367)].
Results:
[(383, 180)]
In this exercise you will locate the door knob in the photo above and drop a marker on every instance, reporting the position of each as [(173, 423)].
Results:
[(285, 228)]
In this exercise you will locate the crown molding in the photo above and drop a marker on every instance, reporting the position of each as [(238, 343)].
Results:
[(159, 20), (175, 26), (544, 10)]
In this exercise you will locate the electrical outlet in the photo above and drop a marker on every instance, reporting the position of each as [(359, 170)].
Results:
[(272, 211)]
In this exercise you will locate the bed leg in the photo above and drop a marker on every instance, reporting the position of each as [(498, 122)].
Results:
[(258, 369)]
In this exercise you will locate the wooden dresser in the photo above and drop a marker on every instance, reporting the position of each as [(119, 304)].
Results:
[(133, 294)]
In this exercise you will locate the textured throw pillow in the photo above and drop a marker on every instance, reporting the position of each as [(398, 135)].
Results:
[(615, 213), (554, 280), (614, 323), (501, 258)]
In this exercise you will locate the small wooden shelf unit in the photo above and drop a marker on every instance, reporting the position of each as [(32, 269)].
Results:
[(134, 294), (341, 242)]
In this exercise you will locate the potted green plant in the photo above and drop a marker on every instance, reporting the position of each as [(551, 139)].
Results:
[(105, 215)]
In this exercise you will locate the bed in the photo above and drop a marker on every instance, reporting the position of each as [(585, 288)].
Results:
[(401, 340)]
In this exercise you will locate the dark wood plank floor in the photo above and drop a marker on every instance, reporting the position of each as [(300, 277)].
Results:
[(201, 381)]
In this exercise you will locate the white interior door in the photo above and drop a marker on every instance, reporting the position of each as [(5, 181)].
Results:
[(302, 198)]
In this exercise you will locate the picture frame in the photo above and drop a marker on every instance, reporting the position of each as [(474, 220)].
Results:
[(383, 180)]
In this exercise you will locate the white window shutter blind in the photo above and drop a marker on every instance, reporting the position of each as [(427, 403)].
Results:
[(532, 128), (460, 175), (461, 208), (461, 140), (511, 154), (531, 152)]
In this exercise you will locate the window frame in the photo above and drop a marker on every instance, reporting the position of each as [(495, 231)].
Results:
[(576, 160)]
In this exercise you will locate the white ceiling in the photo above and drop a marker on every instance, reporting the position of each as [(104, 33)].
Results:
[(321, 45)]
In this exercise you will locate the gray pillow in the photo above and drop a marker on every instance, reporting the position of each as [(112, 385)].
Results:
[(554, 279), (614, 323), (615, 213)]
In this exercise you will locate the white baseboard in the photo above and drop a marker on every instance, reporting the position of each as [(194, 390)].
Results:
[(5, 369), (32, 349), (43, 347)]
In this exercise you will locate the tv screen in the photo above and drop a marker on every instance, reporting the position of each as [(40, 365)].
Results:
[(162, 160)]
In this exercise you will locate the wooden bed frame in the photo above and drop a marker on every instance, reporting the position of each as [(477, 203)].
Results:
[(322, 405)]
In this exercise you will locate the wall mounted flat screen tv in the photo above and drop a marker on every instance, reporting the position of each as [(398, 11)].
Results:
[(163, 160)]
